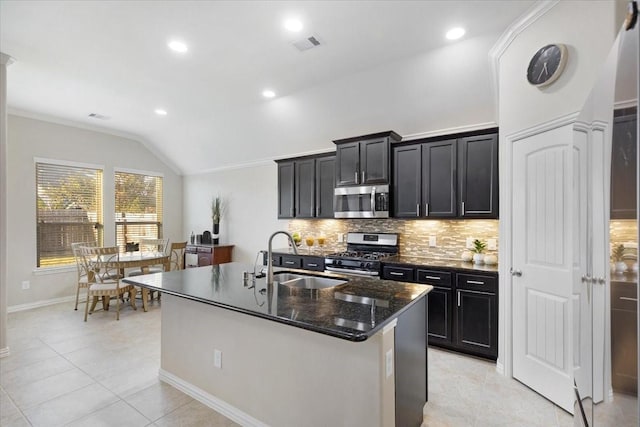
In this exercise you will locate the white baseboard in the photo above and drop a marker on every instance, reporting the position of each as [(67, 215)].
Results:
[(42, 303), (210, 400), (500, 368), (4, 352)]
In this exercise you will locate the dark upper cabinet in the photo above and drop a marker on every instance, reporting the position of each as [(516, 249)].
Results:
[(424, 180), (364, 160), (478, 176), (305, 187), (439, 167), (286, 178), (406, 181), (325, 183), (624, 166), (347, 164)]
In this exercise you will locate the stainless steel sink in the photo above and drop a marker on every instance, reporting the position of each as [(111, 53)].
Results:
[(306, 282)]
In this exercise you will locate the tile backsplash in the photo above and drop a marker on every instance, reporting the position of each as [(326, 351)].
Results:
[(451, 235), (624, 232)]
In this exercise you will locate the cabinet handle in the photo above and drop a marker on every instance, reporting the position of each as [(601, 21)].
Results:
[(458, 298), (426, 209), (362, 176), (432, 277), (317, 211), (312, 265), (418, 209), (393, 273), (629, 299), (292, 212), (475, 282), (462, 208), (356, 178), (289, 262)]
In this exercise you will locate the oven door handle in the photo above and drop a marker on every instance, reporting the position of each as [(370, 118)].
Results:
[(373, 201), (354, 272)]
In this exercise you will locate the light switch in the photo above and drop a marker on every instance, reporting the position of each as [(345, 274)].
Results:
[(432, 241), (492, 244)]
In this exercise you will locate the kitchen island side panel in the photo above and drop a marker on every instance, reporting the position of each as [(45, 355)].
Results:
[(280, 375)]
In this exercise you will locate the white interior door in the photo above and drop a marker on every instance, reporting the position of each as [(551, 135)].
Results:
[(542, 241)]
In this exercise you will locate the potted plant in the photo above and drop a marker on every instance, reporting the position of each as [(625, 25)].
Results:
[(217, 210), (478, 251), (616, 255)]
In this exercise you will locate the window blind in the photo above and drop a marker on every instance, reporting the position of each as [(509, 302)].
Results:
[(68, 209), (138, 208)]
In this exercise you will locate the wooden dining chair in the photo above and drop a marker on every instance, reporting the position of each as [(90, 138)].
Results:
[(103, 267), (82, 280), (176, 256)]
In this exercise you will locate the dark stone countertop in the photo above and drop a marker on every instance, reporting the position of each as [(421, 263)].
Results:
[(626, 278), (319, 310), (441, 263)]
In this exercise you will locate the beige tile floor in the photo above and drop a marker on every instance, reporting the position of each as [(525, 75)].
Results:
[(63, 371)]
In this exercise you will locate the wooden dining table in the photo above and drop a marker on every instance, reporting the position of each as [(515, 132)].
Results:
[(142, 260)]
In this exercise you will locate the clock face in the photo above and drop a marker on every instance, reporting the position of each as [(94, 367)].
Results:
[(547, 64)]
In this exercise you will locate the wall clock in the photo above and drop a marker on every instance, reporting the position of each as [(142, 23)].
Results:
[(547, 64)]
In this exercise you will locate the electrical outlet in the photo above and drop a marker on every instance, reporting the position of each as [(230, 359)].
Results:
[(340, 237), (389, 363), (492, 244), (26, 285), (470, 242), (432, 241), (217, 358)]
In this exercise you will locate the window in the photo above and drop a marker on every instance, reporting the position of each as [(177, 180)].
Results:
[(68, 209), (138, 208)]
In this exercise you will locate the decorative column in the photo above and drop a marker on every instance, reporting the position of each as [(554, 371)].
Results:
[(5, 61)]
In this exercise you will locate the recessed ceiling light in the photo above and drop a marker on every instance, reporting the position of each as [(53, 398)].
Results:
[(293, 25), (178, 46), (455, 33), (268, 93), (160, 112)]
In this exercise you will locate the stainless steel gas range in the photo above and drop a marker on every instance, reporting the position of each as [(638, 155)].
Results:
[(364, 253)]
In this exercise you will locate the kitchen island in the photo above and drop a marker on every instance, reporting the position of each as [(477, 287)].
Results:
[(352, 355)]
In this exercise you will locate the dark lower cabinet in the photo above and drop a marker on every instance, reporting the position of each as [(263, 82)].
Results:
[(477, 321), (624, 337), (305, 262), (462, 310), (439, 316)]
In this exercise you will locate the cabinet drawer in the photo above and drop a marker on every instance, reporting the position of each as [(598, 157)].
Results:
[(477, 283), (313, 263), (435, 278), (624, 296), (402, 274), (291, 261), (205, 249)]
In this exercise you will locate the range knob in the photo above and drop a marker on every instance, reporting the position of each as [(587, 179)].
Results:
[(368, 265), (338, 262), (362, 265)]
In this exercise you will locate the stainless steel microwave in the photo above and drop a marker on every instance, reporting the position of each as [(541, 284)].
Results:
[(365, 201)]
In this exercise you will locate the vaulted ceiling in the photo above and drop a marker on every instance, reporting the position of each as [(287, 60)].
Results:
[(380, 65)]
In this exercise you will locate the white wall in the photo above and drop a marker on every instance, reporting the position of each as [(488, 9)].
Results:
[(29, 138), (588, 28), (251, 198)]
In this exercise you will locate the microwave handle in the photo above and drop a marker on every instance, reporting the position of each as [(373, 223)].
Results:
[(373, 201)]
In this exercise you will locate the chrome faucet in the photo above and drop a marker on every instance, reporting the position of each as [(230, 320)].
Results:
[(270, 254)]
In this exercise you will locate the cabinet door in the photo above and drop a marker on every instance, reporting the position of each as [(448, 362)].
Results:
[(347, 163), (374, 161), (325, 183), (478, 176), (439, 165), (305, 188), (623, 168), (286, 177), (439, 315), (477, 321), (406, 181)]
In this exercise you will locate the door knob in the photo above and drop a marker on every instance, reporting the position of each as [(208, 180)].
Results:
[(516, 273)]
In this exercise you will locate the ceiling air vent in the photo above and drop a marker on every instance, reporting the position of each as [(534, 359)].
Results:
[(99, 116), (306, 43)]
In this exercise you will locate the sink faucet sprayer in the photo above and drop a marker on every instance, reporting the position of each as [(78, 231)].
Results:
[(270, 255)]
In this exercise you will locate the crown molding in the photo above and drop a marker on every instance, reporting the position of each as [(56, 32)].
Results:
[(508, 36), (452, 130), (94, 128)]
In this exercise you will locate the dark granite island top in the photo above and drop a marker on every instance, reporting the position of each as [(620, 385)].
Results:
[(344, 311)]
